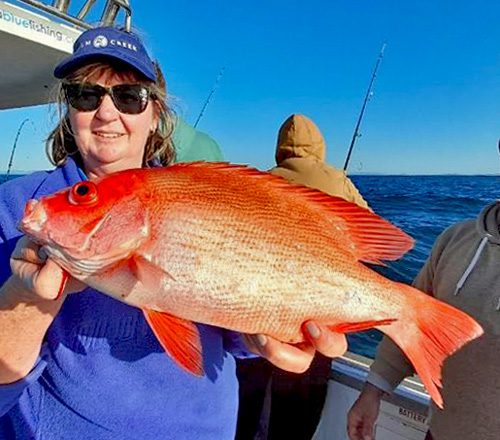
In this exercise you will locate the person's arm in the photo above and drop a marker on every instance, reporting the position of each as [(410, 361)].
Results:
[(363, 414), (27, 308), (389, 368), (23, 327)]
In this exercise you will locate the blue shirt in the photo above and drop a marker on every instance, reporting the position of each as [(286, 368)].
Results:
[(101, 374)]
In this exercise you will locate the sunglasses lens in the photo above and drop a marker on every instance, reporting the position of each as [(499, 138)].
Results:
[(84, 98), (130, 98)]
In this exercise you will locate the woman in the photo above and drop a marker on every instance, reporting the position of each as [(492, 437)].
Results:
[(84, 365)]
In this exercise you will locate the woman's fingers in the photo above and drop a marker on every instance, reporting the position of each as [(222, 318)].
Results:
[(53, 282), (40, 278), (325, 341), (293, 358), (49, 280), (298, 357), (28, 251)]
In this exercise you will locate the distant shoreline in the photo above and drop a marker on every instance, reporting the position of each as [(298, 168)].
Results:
[(23, 173)]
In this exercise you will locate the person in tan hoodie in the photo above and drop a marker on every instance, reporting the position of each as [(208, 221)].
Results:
[(300, 158), (462, 270), (275, 404)]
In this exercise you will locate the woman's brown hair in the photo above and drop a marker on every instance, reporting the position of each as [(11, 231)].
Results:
[(61, 143)]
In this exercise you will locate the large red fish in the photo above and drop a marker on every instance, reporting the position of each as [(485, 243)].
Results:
[(241, 249)]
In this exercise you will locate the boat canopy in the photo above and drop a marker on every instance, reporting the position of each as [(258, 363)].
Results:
[(34, 36)]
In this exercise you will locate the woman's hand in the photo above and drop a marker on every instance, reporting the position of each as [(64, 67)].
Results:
[(297, 358), (36, 277), (28, 307)]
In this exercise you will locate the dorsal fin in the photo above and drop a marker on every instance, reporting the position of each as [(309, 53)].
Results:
[(372, 238)]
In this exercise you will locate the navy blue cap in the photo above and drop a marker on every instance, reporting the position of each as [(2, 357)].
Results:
[(107, 42)]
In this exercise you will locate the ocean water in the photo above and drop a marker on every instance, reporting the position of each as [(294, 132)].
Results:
[(423, 206)]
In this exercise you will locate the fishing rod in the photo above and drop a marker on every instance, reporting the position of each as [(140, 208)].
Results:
[(499, 154), (15, 145), (367, 98), (209, 97)]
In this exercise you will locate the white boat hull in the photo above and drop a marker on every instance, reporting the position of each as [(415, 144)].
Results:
[(403, 416)]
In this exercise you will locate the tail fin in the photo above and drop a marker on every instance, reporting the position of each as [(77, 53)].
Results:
[(433, 333)]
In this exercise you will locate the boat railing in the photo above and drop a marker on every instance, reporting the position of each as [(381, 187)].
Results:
[(61, 10)]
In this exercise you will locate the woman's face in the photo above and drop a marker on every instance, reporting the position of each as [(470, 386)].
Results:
[(108, 140)]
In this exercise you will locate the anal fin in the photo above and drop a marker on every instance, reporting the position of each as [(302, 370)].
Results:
[(350, 327)]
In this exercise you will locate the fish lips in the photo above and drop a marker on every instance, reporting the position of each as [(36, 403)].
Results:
[(35, 225), (34, 219)]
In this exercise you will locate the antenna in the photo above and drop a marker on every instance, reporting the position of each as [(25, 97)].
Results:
[(14, 146), (367, 98), (209, 97)]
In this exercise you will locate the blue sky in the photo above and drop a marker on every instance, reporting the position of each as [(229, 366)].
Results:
[(435, 108)]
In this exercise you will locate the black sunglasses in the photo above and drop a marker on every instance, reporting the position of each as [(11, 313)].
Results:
[(131, 99)]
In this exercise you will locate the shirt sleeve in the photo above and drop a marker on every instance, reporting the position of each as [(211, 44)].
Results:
[(10, 393), (353, 195), (6, 248), (378, 381), (233, 343), (390, 367)]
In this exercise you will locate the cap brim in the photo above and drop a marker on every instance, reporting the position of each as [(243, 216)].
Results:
[(73, 62)]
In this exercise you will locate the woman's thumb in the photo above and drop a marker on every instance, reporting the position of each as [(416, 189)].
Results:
[(50, 280)]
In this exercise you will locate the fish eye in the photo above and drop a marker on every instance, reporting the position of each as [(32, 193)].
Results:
[(83, 193), (81, 190)]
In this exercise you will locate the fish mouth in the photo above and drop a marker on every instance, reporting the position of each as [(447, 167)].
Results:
[(76, 266), (77, 259), (34, 219), (82, 257), (35, 224), (86, 262)]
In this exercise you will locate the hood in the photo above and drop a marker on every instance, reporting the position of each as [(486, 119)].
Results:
[(488, 223), (300, 137)]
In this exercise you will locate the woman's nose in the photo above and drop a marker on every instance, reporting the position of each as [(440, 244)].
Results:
[(107, 110)]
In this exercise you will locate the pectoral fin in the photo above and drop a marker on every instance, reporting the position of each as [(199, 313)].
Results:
[(179, 338), (149, 274)]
